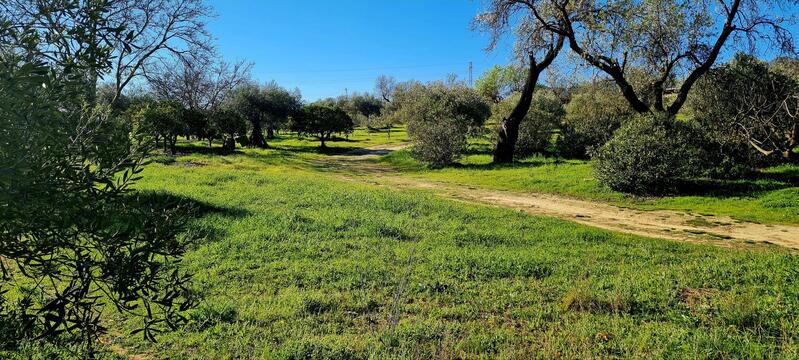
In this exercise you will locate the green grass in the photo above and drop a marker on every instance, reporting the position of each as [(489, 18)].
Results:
[(360, 138), (771, 197), (291, 264)]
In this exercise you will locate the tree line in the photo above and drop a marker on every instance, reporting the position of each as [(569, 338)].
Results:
[(660, 111), (247, 114), (656, 54)]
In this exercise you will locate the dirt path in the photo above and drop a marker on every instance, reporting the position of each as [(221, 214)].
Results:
[(717, 230), (371, 152)]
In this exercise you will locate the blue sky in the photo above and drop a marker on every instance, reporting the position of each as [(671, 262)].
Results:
[(323, 47)]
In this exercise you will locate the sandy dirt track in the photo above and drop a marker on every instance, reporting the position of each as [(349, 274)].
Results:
[(673, 225)]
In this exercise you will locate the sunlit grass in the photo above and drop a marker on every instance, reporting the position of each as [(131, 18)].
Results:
[(770, 197), (294, 264), (291, 263)]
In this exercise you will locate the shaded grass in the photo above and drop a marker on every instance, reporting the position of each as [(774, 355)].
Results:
[(314, 268)]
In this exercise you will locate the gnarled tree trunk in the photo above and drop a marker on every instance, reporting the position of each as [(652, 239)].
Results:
[(509, 128), (257, 138)]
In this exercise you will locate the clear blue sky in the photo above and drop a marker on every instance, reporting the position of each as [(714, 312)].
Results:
[(323, 47)]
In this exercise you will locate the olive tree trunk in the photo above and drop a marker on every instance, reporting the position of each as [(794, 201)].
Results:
[(257, 138), (509, 127)]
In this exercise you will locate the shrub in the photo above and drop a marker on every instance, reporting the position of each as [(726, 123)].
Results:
[(592, 116), (535, 131), (438, 143), (749, 112), (650, 155), (440, 118)]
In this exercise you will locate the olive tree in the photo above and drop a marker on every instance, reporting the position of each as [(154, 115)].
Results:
[(746, 101), (164, 121), (198, 124), (278, 105), (536, 45), (249, 101), (322, 121), (675, 42), (75, 240), (228, 124)]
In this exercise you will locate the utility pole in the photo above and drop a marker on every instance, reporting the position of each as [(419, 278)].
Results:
[(471, 67)]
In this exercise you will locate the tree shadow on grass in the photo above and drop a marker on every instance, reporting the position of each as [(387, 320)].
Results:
[(188, 149), (316, 149), (519, 164), (752, 185), (783, 174), (187, 209)]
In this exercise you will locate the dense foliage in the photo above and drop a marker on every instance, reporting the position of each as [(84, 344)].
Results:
[(540, 124), (165, 121), (322, 121), (73, 236), (650, 155), (440, 118), (230, 125), (593, 114), (747, 104)]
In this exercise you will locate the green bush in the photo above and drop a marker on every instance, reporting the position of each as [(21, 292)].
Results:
[(535, 131), (742, 108), (650, 155), (592, 116), (440, 118)]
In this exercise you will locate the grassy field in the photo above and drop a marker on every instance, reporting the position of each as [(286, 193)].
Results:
[(292, 264), (770, 197)]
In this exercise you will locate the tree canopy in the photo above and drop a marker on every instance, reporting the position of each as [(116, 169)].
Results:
[(747, 99), (675, 41), (74, 239), (322, 121), (500, 82)]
